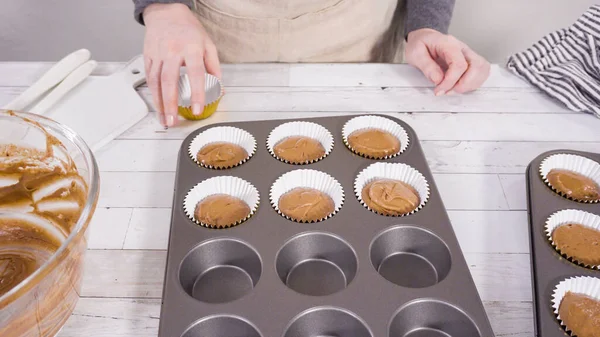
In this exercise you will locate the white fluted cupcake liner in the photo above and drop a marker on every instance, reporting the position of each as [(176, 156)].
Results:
[(393, 171), (310, 179), (233, 186), (585, 285), (227, 134), (376, 122), (571, 216), (574, 163), (305, 129)]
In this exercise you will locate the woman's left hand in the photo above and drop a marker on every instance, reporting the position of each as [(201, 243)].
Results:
[(446, 61)]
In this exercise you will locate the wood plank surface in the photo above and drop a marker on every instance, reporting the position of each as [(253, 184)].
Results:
[(477, 145)]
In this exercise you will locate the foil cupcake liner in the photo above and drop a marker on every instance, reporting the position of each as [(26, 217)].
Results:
[(571, 216), (213, 93), (306, 129), (227, 134), (574, 163), (375, 122), (393, 171), (310, 179), (585, 285), (233, 186)]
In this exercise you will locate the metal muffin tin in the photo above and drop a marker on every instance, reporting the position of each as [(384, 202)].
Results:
[(548, 267), (240, 274)]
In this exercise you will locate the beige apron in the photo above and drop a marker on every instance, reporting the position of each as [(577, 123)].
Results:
[(313, 31)]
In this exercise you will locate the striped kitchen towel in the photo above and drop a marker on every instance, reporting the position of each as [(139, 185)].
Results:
[(565, 64)]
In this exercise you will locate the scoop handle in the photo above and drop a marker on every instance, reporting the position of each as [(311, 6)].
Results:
[(70, 82), (50, 79)]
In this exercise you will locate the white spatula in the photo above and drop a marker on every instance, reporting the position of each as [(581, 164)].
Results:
[(57, 73)]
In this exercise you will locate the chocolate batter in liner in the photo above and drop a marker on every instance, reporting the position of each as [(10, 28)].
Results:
[(581, 229), (304, 179), (376, 124), (580, 292), (312, 135), (572, 167), (392, 172), (231, 138), (222, 185)]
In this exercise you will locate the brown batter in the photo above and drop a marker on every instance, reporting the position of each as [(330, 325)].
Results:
[(221, 155), (299, 149), (37, 183), (579, 242), (390, 197), (580, 314), (374, 143), (306, 204), (574, 185), (221, 210), (41, 199)]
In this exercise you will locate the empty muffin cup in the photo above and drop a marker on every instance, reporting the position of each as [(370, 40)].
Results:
[(327, 321), (233, 201), (300, 142), (213, 92), (306, 196), (222, 325), (575, 234), (375, 137), (316, 264), (220, 270), (393, 189), (572, 176), (580, 291), (410, 257), (432, 318), (222, 147)]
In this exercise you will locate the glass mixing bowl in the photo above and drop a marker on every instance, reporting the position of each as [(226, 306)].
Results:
[(41, 303)]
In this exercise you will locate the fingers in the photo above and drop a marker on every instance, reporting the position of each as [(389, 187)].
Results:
[(211, 60), (169, 80), (153, 79), (476, 74), (195, 70), (420, 58), (457, 65)]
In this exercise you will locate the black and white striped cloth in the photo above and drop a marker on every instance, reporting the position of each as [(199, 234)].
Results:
[(566, 64)]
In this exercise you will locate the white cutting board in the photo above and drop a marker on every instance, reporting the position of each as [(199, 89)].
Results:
[(102, 107)]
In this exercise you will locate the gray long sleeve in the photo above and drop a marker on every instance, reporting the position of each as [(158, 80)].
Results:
[(140, 5), (434, 14)]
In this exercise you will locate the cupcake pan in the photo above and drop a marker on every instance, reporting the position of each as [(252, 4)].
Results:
[(356, 274), (548, 267)]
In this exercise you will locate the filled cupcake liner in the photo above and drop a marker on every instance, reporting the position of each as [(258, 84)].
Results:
[(213, 92), (310, 179), (233, 186), (574, 163), (585, 285), (375, 122), (571, 216), (227, 134), (306, 129), (393, 171)]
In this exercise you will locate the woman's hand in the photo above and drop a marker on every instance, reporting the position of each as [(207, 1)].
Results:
[(447, 62), (175, 38)]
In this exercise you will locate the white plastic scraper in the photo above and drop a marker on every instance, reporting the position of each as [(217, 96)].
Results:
[(101, 108)]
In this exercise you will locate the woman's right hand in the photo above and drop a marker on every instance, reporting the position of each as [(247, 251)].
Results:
[(175, 38)]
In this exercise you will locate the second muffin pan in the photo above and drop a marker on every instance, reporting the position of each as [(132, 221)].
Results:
[(354, 274), (553, 270)]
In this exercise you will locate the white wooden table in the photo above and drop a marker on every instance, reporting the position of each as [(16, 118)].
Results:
[(477, 145)]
